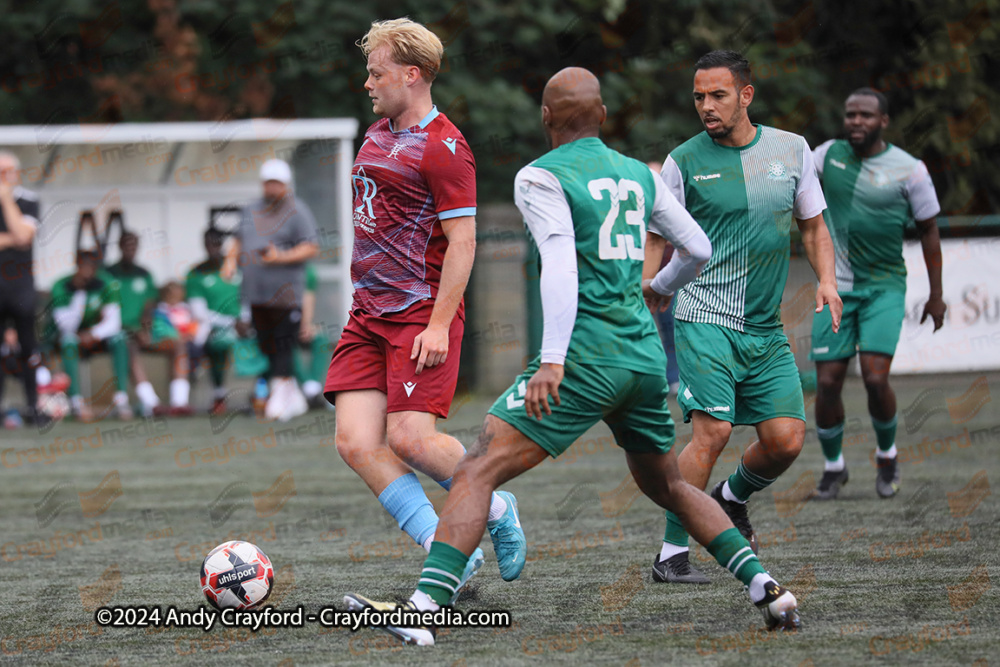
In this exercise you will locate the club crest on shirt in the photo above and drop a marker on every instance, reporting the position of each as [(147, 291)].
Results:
[(777, 171), (394, 153), (879, 178), (364, 216), (138, 285)]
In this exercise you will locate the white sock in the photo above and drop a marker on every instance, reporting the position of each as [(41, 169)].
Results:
[(835, 466), (427, 543), (423, 601), (891, 454), (219, 392), (76, 402), (42, 376), (729, 495), (311, 388), (146, 394), (180, 392), (121, 398), (497, 507), (669, 550), (757, 586)]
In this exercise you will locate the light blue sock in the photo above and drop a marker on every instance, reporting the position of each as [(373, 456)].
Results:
[(406, 501), (446, 484)]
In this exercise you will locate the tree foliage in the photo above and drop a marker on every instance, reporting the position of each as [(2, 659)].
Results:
[(69, 61)]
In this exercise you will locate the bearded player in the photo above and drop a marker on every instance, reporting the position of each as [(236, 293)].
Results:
[(395, 369), (873, 189), (746, 185)]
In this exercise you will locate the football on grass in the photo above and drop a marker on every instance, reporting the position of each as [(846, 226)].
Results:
[(237, 575)]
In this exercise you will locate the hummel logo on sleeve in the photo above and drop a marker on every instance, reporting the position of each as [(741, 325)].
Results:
[(706, 177), (838, 165), (450, 143)]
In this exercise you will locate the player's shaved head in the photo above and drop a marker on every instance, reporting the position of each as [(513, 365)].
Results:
[(572, 107)]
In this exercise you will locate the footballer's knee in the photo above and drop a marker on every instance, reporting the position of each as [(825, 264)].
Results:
[(353, 450), (410, 436), (711, 436), (787, 443), (358, 444), (876, 384), (828, 387)]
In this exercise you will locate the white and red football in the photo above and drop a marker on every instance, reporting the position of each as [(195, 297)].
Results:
[(237, 575)]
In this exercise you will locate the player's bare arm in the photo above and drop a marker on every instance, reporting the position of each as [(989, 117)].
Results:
[(930, 241), (655, 246), (819, 250), (430, 347)]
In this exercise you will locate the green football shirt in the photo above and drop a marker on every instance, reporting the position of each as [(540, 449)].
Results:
[(86, 303), (136, 286), (603, 201), (745, 199), (870, 202), (221, 296)]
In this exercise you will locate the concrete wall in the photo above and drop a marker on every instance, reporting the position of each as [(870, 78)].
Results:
[(496, 331)]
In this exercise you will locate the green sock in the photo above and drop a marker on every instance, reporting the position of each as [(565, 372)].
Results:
[(443, 570), (831, 440), (70, 353), (885, 433), (119, 360), (732, 551), (675, 533), (298, 368), (218, 359), (320, 355), (743, 482)]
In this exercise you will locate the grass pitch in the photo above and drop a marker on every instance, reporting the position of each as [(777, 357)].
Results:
[(118, 514)]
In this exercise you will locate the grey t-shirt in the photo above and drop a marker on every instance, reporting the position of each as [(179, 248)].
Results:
[(286, 226)]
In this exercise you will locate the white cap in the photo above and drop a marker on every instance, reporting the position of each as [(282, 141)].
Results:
[(276, 170)]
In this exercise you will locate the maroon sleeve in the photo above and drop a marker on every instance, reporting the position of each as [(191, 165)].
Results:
[(450, 176)]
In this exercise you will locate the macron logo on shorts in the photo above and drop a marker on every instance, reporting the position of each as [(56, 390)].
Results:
[(409, 387)]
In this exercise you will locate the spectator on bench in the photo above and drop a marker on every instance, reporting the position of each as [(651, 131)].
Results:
[(86, 318), (215, 306), (139, 297)]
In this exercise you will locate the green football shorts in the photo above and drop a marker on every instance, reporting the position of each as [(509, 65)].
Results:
[(736, 377), (633, 405), (871, 322)]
